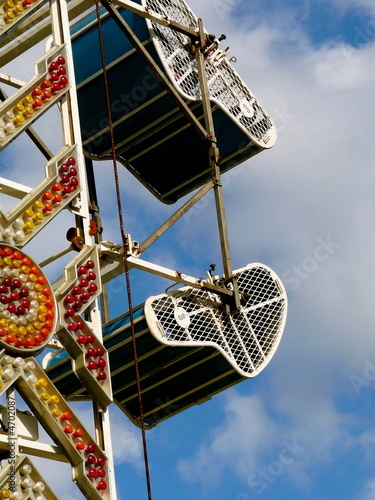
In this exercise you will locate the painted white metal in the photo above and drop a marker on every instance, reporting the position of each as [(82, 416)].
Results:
[(224, 84), (247, 338), (58, 23)]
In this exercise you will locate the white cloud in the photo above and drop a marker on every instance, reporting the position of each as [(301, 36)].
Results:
[(250, 440), (236, 444)]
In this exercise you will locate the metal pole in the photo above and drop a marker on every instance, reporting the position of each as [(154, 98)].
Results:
[(175, 217), (214, 155), (137, 44)]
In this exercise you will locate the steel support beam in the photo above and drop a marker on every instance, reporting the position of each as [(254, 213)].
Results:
[(214, 155), (175, 217), (31, 132), (112, 255), (155, 17), (42, 31), (137, 44)]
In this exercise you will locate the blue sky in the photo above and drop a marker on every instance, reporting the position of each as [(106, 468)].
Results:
[(304, 429)]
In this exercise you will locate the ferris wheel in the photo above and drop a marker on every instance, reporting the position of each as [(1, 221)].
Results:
[(141, 84)]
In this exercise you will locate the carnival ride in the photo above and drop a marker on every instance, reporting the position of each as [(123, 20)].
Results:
[(159, 95)]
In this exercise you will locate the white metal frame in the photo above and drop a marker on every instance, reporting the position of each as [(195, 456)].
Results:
[(55, 19)]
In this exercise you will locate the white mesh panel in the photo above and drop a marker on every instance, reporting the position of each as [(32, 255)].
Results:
[(248, 337), (225, 86)]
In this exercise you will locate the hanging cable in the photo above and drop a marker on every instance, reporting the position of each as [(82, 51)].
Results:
[(125, 245)]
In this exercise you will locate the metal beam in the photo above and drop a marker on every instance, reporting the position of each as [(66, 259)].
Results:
[(137, 44), (32, 134), (114, 258), (155, 17), (13, 189), (214, 155), (35, 448), (175, 217), (39, 33), (12, 82)]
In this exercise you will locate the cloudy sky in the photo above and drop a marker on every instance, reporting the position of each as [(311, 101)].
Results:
[(305, 428)]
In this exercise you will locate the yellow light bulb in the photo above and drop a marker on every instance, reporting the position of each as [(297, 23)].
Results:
[(41, 382), (28, 213), (12, 328), (56, 412), (44, 396)]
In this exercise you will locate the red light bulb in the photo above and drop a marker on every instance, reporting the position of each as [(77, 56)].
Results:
[(4, 299), (70, 312), (82, 270), (93, 287), (56, 87), (90, 352), (102, 485), (66, 415), (16, 283), (53, 66), (12, 308), (72, 327), (79, 432), (100, 351), (64, 168), (64, 179), (69, 299), (80, 324), (90, 459), (56, 187), (20, 310), (101, 472), (102, 363), (47, 196), (80, 445), (63, 80), (77, 304), (91, 448), (14, 296), (37, 103), (92, 473), (46, 84), (92, 365), (85, 296)]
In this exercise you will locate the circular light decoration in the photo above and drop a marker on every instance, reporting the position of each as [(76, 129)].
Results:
[(28, 311)]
